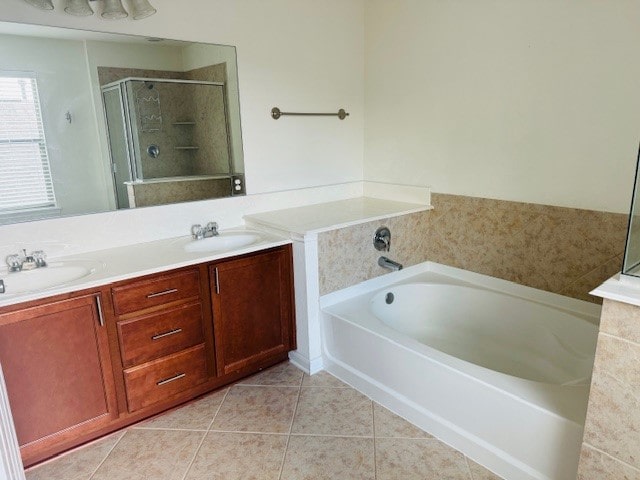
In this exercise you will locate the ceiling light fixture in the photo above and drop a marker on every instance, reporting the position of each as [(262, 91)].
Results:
[(112, 9)]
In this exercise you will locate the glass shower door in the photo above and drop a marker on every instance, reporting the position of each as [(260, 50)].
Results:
[(118, 144)]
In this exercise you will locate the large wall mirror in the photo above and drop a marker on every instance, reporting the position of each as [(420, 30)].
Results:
[(93, 122)]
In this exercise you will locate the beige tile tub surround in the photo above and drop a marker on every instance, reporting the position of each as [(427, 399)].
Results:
[(561, 250), (611, 446), (330, 431)]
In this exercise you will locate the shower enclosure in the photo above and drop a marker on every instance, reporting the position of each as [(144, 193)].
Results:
[(168, 140)]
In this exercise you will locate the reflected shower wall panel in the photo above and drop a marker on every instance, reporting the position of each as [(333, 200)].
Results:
[(212, 157), (192, 136), (172, 108)]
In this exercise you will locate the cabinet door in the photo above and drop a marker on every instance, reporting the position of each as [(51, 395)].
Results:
[(252, 309), (58, 372)]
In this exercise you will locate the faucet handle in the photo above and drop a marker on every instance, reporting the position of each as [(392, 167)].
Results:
[(14, 262), (212, 227), (382, 239), (197, 232), (40, 257)]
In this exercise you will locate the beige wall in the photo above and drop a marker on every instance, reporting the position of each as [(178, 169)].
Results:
[(611, 448), (561, 250), (525, 100)]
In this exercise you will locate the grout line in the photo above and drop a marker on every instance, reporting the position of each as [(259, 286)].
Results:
[(611, 457), (248, 432), (328, 386), (107, 455), (329, 435), (172, 428), (263, 386), (293, 418), (621, 339), (195, 454), (466, 461), (218, 409)]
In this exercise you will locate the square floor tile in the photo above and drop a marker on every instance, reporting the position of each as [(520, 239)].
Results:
[(333, 411), (239, 456), (197, 415), (78, 464), (257, 409), (478, 472), (323, 379), (388, 424), (418, 459), (282, 375), (150, 454), (330, 458)]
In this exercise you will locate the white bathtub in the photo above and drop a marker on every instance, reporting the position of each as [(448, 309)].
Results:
[(499, 371)]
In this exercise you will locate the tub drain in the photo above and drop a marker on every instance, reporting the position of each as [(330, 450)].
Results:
[(389, 298)]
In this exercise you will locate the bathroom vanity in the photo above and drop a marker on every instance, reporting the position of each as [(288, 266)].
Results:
[(86, 362)]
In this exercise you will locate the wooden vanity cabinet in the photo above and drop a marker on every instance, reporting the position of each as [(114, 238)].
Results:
[(57, 368), (253, 315), (80, 365)]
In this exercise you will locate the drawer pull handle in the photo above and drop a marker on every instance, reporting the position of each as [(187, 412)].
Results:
[(164, 292), (171, 379), (166, 334), (100, 315), (217, 281)]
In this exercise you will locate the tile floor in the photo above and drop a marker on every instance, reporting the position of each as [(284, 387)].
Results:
[(278, 424)]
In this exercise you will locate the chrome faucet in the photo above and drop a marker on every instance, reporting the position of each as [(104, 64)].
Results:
[(18, 262), (384, 262), (198, 232)]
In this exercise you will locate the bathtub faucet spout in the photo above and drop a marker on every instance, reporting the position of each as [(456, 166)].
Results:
[(384, 262)]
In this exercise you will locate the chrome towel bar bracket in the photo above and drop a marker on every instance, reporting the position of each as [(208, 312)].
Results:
[(276, 114)]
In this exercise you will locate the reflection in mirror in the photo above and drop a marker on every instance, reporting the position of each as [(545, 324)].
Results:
[(631, 264), (94, 122)]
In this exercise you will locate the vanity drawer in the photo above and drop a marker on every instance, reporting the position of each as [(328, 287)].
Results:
[(160, 379), (158, 334), (156, 291)]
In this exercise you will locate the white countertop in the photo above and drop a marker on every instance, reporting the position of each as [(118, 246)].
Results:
[(123, 263), (621, 288), (333, 215), (130, 261)]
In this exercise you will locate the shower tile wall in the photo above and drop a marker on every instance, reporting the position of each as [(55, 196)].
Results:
[(561, 250), (611, 445)]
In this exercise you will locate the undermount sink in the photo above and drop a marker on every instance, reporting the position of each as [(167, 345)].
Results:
[(223, 242), (53, 275)]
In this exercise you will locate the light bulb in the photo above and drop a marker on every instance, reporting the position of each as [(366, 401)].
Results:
[(79, 8), (141, 9), (113, 10)]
